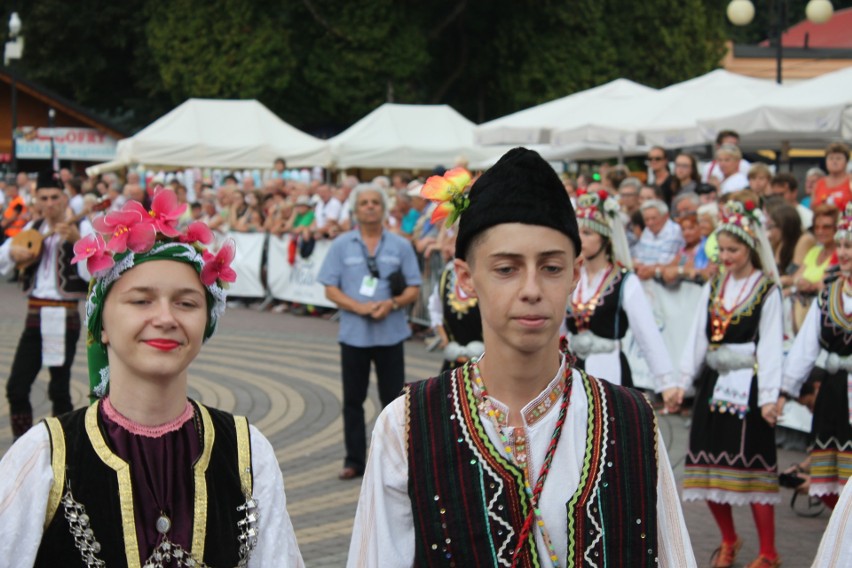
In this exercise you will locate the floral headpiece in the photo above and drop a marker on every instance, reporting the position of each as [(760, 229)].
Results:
[(743, 219), (844, 226), (448, 192), (597, 210), (137, 235)]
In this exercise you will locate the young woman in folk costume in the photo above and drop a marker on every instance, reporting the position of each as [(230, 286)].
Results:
[(609, 299), (827, 330), (145, 476), (733, 351), (454, 314)]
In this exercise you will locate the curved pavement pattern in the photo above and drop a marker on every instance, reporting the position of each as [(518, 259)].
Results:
[(283, 373)]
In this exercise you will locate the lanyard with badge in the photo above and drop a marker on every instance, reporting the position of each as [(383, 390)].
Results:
[(370, 282)]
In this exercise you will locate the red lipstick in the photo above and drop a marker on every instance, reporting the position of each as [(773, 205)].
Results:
[(163, 344)]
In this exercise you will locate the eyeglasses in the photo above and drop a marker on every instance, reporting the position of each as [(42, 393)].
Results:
[(656, 158)]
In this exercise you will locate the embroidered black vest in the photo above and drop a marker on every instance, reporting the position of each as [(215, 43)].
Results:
[(835, 330), (469, 503), (104, 489), (609, 319), (69, 285), (461, 317), (745, 323)]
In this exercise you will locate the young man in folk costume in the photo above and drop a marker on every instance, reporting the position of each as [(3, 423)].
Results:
[(54, 287), (516, 458), (609, 299), (145, 476), (734, 351)]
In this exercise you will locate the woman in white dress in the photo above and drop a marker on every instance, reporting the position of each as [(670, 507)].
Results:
[(732, 351), (609, 299), (827, 332)]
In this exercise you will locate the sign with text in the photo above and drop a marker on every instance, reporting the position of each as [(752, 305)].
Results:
[(296, 281), (83, 144)]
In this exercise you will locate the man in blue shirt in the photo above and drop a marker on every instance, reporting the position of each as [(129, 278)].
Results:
[(356, 275)]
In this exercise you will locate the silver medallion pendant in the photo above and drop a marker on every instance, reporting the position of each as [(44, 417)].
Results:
[(163, 524)]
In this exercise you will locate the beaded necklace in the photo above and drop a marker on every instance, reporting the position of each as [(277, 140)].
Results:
[(720, 317), (583, 311), (520, 460)]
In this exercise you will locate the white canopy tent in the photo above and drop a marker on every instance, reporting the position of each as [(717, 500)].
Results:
[(810, 113), (669, 117), (407, 136), (535, 124), (235, 134), (590, 151)]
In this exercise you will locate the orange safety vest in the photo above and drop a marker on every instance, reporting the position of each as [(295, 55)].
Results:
[(10, 212)]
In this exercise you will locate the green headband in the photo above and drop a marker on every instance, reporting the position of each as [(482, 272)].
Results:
[(101, 285)]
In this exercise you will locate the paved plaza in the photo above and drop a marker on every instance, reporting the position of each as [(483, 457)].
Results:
[(282, 371)]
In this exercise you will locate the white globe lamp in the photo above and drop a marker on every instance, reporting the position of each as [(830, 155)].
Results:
[(740, 12), (819, 11)]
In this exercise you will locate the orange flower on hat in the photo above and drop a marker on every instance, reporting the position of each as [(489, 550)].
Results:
[(448, 192)]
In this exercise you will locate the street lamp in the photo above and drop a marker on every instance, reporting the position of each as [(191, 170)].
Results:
[(14, 50), (741, 13)]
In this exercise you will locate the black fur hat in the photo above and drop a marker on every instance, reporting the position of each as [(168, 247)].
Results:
[(520, 188), (48, 179)]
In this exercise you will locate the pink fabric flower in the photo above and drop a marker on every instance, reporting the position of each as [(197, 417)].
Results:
[(165, 212), (92, 249), (197, 231), (219, 266), (128, 228)]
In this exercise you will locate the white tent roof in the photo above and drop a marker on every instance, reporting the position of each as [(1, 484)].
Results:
[(669, 117), (534, 125), (405, 136), (812, 112), (220, 134), (590, 151)]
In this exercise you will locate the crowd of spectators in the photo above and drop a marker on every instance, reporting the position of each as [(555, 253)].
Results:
[(669, 213)]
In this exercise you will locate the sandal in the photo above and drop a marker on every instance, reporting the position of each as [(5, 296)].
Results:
[(724, 556), (764, 562)]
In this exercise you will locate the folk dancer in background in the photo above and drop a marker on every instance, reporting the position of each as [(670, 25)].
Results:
[(735, 344), (827, 331), (54, 287), (609, 299), (454, 314)]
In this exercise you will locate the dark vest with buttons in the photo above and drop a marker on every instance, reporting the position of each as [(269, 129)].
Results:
[(469, 503), (70, 286), (96, 486)]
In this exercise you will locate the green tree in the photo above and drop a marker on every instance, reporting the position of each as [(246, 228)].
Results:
[(535, 51), (661, 42), (352, 57), (93, 52), (322, 64), (223, 49)]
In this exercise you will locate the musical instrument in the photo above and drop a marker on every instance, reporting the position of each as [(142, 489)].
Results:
[(30, 239)]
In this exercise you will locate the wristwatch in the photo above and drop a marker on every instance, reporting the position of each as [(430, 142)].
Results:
[(658, 272), (394, 305), (680, 270)]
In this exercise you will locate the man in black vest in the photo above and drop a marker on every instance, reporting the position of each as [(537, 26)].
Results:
[(54, 287), (516, 458)]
